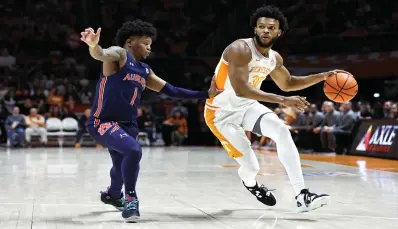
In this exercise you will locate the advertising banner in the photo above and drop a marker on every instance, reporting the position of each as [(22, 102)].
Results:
[(377, 138)]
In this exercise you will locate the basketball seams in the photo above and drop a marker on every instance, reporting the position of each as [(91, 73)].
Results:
[(341, 88), (338, 89), (330, 92), (350, 87), (337, 94)]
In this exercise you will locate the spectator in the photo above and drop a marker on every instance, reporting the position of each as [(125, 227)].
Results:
[(6, 60), (331, 120), (82, 127), (386, 109), (179, 107), (343, 129), (145, 124), (179, 124), (365, 111), (35, 125), (3, 116), (306, 138), (393, 111), (15, 126)]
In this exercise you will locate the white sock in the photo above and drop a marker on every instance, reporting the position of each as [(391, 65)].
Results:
[(272, 127)]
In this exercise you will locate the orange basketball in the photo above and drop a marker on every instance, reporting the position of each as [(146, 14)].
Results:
[(341, 88)]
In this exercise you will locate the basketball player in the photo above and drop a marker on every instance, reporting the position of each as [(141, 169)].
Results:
[(243, 66), (113, 115)]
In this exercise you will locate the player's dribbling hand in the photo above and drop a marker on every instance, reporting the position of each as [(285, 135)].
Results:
[(90, 37), (332, 73), (213, 91), (296, 102)]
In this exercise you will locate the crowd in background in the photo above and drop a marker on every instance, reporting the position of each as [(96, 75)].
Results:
[(45, 71)]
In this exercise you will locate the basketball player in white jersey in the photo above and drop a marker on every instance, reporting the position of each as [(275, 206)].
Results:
[(243, 66)]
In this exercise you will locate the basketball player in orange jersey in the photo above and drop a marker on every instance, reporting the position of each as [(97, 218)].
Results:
[(243, 66)]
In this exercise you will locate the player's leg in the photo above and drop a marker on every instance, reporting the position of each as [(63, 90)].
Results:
[(113, 195), (234, 140), (119, 140), (130, 149), (262, 120)]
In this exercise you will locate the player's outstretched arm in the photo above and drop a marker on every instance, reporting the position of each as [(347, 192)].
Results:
[(286, 82), (111, 54), (157, 84), (238, 57)]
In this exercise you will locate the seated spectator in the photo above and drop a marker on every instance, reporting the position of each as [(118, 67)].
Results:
[(393, 111), (35, 124), (82, 127), (365, 111), (331, 120), (54, 99), (305, 123), (179, 128), (179, 107), (340, 134), (145, 124), (15, 126), (3, 116)]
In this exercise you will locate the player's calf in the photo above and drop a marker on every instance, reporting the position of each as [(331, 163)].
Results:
[(263, 194), (307, 201)]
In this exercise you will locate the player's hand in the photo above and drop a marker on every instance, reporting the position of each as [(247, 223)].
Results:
[(296, 102), (90, 38), (332, 73), (213, 91)]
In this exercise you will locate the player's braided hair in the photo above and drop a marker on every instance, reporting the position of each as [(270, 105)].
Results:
[(270, 12), (134, 28)]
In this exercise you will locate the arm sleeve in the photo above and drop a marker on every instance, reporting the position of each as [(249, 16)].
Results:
[(183, 93)]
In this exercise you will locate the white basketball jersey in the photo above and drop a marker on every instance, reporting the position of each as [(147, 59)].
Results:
[(259, 69)]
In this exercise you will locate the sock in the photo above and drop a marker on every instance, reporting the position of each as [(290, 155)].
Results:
[(131, 196), (250, 183), (272, 127)]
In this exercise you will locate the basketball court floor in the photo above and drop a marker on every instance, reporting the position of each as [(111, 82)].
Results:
[(189, 188)]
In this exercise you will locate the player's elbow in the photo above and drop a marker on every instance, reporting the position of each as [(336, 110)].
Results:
[(286, 87)]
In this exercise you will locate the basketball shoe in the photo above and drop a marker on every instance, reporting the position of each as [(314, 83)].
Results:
[(307, 201), (263, 194), (131, 210), (117, 203)]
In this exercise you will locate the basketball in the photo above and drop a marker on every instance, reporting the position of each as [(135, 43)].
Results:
[(341, 87)]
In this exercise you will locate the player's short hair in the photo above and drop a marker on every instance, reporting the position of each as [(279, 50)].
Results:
[(270, 12), (137, 28)]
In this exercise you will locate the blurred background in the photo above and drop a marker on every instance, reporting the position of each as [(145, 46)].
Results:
[(45, 66)]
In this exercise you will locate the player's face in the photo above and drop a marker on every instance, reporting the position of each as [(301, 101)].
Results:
[(142, 46), (267, 32)]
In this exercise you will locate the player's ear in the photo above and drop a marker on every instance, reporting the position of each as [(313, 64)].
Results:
[(128, 42), (279, 33)]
